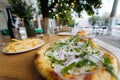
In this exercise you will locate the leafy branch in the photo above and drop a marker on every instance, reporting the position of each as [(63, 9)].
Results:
[(21, 9)]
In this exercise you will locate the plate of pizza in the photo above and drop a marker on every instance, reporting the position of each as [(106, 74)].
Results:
[(76, 59), (19, 46)]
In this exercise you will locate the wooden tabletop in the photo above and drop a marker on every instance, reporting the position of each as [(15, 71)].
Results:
[(21, 66)]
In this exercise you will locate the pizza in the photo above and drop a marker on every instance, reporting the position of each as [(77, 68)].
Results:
[(75, 58), (82, 33)]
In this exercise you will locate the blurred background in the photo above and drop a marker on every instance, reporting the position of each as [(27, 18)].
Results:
[(101, 19)]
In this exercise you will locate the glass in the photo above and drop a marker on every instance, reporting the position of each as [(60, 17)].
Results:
[(50, 31), (74, 31), (22, 32), (51, 27)]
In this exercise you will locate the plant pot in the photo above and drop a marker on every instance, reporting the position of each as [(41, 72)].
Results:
[(29, 28)]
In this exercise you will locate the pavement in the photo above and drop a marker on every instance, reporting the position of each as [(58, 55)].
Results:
[(112, 40), (101, 34)]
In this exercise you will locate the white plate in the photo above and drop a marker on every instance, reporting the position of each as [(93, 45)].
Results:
[(41, 43), (64, 33)]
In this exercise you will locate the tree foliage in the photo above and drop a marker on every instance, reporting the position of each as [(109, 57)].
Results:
[(77, 5), (21, 9), (61, 9), (94, 19), (104, 19)]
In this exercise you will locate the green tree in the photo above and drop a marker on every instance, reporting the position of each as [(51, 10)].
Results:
[(21, 9), (104, 19), (48, 6), (62, 15), (61, 8), (94, 19)]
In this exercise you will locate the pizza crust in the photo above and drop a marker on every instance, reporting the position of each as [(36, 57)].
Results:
[(43, 65)]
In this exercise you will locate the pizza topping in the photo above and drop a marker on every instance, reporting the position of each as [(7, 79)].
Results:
[(109, 67), (76, 56)]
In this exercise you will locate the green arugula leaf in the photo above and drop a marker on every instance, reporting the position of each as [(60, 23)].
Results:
[(109, 67), (65, 70), (85, 62), (58, 45), (55, 61)]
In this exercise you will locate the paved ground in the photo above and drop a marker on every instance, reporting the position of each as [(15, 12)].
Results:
[(110, 40)]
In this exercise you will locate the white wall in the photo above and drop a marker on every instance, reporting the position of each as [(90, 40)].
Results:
[(3, 18)]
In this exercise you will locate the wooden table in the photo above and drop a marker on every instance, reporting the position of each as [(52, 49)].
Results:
[(21, 66)]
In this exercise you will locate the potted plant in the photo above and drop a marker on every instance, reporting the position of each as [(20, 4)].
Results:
[(25, 12)]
